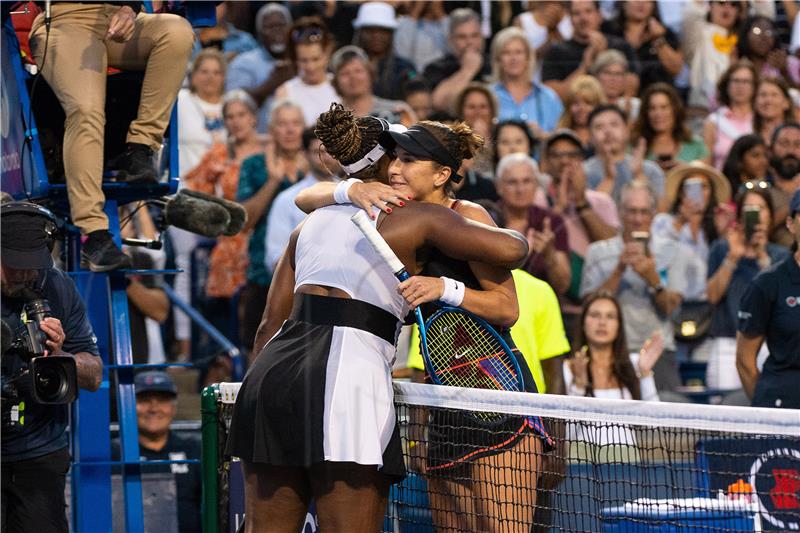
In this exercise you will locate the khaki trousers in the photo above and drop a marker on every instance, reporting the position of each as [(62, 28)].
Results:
[(75, 67)]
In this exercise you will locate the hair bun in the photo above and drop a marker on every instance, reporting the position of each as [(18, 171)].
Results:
[(339, 131)]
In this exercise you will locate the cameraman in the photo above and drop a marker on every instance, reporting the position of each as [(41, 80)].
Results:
[(35, 458)]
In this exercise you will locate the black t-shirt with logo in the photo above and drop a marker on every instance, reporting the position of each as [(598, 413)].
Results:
[(771, 307)]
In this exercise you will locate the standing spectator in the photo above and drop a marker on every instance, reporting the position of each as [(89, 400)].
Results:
[(85, 40), (375, 26), (611, 69), (218, 174), (773, 106), (589, 215), (310, 48), (657, 47), (612, 167), (465, 63), (662, 124), (602, 366), (584, 94), (421, 34), (758, 43), (734, 118), (785, 168), (566, 61), (519, 96), (352, 79), (648, 279), (417, 94), (262, 70), (545, 23), (733, 262), (769, 312), (709, 41), (517, 181), (261, 178), (156, 407), (692, 219), (747, 161), (284, 216)]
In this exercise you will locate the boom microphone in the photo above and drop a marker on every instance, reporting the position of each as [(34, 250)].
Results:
[(196, 215), (237, 213)]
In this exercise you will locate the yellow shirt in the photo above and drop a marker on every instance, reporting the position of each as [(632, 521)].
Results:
[(538, 333)]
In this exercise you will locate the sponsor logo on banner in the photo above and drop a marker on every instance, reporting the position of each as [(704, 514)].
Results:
[(775, 476)]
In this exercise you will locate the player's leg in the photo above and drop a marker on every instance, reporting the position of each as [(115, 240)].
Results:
[(276, 498), (350, 498)]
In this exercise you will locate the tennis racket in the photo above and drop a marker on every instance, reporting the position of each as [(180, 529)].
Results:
[(459, 349)]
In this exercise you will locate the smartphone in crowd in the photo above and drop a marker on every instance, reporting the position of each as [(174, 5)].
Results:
[(752, 216), (693, 189), (643, 238)]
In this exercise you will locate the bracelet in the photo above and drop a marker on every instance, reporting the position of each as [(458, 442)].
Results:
[(659, 42), (340, 192), (643, 375), (453, 292), (730, 264)]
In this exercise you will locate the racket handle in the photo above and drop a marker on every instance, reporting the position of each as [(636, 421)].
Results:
[(363, 222)]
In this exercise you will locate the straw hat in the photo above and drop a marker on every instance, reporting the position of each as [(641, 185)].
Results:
[(673, 179)]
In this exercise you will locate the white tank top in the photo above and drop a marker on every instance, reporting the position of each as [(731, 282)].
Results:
[(332, 251)]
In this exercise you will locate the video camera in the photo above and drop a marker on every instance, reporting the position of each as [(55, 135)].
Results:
[(47, 380)]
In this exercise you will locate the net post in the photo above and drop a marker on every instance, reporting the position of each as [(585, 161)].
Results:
[(210, 460)]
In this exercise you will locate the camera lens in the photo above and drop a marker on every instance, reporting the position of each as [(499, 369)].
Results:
[(37, 309), (51, 383)]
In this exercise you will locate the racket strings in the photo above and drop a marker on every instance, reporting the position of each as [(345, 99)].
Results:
[(464, 354)]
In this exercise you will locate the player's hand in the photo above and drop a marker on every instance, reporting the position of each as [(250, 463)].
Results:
[(374, 194), (122, 24), (418, 290), (55, 334)]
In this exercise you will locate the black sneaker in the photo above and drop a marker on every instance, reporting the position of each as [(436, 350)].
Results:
[(100, 254), (136, 165)]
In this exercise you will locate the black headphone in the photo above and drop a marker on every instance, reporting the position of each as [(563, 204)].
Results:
[(31, 209)]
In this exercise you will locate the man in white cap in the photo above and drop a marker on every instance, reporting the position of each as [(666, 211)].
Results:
[(375, 26)]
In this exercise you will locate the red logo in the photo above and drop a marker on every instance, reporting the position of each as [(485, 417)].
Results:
[(787, 485)]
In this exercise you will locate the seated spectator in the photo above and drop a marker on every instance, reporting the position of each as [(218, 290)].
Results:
[(310, 48), (545, 23), (224, 36), (611, 69), (785, 169), (375, 27), (352, 79), (421, 34), (649, 279), (513, 137), (285, 216), (735, 93), (261, 178), (519, 96), (733, 262), (517, 181), (758, 43), (476, 185), (466, 62), (85, 40), (262, 70), (656, 46), (662, 123), (417, 94), (747, 161), (773, 106), (218, 174), (564, 62), (709, 42), (589, 215), (612, 167), (769, 313), (584, 94), (477, 106), (156, 406), (603, 366)]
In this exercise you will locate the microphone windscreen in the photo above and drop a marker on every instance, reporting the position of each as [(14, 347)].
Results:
[(196, 215), (236, 211), (6, 337)]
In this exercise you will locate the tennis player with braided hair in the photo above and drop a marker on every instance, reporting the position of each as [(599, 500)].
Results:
[(314, 416), (465, 459)]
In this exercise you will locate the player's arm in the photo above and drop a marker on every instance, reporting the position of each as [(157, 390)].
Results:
[(280, 298), (364, 195)]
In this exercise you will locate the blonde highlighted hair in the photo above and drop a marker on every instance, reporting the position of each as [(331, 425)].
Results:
[(585, 88)]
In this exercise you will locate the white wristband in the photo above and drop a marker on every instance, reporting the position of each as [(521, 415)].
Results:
[(453, 292), (340, 192)]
